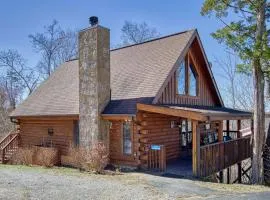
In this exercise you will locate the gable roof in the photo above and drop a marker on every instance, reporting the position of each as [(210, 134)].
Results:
[(137, 74)]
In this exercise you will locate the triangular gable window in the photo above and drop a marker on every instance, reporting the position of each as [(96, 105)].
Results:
[(192, 89), (181, 73), (187, 79)]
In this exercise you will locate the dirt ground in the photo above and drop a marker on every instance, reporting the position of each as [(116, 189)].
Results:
[(21, 182)]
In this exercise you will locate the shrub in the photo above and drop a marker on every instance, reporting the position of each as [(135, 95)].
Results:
[(90, 159), (24, 156), (77, 157), (47, 157), (98, 158)]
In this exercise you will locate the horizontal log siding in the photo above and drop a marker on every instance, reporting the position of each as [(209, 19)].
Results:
[(156, 129), (33, 132), (206, 95), (116, 145)]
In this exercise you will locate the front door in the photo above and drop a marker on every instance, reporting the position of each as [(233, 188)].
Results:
[(185, 130)]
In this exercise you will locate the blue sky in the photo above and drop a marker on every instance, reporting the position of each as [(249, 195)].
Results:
[(18, 19)]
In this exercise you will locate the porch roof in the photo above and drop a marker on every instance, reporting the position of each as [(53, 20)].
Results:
[(200, 113)]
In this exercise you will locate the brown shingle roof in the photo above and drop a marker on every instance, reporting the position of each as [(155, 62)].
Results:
[(59, 95), (137, 73), (140, 70)]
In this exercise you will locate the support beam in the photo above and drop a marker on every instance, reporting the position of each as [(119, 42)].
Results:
[(220, 132), (220, 139), (239, 165), (118, 117), (173, 111), (228, 175), (195, 148), (221, 176), (228, 133), (228, 127)]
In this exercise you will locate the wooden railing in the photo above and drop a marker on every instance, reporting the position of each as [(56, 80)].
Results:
[(234, 134), (9, 146), (6, 139), (157, 157), (218, 156)]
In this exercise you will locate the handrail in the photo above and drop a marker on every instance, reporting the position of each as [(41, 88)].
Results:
[(228, 141), (225, 131), (9, 144), (7, 138), (15, 137)]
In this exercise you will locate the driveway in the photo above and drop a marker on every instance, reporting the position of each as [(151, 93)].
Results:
[(20, 182)]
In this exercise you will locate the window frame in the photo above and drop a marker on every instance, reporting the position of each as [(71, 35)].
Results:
[(189, 64), (123, 138)]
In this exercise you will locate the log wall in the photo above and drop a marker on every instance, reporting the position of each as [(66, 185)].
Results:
[(35, 132), (117, 156), (156, 129)]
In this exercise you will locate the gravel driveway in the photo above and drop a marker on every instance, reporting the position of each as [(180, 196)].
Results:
[(20, 182)]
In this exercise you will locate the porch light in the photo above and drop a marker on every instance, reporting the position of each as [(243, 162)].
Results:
[(173, 124), (110, 125), (50, 131)]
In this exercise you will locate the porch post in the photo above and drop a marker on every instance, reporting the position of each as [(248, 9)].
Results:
[(220, 132), (195, 148), (220, 139), (228, 133), (239, 165), (228, 127)]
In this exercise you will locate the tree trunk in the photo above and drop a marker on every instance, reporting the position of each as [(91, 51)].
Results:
[(259, 112), (259, 132)]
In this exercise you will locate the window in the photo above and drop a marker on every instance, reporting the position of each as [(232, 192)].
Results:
[(127, 143), (192, 81), (181, 78), (187, 81)]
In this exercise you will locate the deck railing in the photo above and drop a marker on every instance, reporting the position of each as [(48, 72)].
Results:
[(218, 156)]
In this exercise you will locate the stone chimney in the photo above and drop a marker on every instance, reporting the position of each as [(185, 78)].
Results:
[(94, 82)]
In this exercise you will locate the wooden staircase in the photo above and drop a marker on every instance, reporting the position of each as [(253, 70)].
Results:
[(8, 146)]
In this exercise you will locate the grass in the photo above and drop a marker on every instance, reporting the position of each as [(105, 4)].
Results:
[(235, 188), (65, 171), (52, 170)]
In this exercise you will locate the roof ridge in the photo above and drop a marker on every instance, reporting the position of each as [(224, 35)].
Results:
[(154, 39), (151, 40)]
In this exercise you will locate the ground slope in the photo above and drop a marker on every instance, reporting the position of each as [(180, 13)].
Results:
[(20, 182)]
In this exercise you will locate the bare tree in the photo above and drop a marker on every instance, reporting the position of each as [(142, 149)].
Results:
[(16, 78), (133, 33), (238, 91), (55, 46), (5, 123)]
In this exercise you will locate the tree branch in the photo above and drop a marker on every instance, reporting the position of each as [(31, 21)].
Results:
[(236, 7)]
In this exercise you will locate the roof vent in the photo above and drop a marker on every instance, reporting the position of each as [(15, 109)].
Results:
[(93, 20)]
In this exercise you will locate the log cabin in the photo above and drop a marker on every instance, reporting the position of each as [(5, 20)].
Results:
[(152, 103)]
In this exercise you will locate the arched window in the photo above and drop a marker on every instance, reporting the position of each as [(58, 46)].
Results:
[(187, 80)]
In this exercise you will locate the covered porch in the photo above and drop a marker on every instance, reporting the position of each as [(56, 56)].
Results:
[(212, 138)]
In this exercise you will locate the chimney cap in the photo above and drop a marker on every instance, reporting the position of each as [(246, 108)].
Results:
[(93, 20)]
